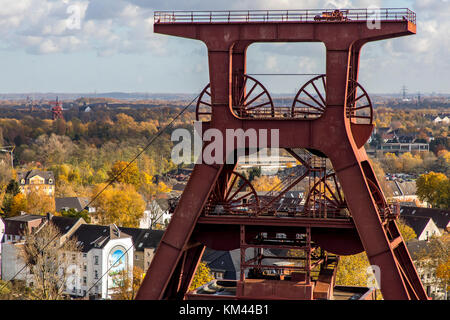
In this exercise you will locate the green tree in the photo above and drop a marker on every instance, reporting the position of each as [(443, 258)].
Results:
[(254, 173), (13, 187), (72, 213)]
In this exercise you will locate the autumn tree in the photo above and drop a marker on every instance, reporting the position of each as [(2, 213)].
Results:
[(14, 290), (352, 270), (128, 285), (202, 276), (443, 273), (5, 172), (54, 148), (434, 188), (39, 202), (19, 203), (266, 183), (151, 190), (49, 260), (406, 231), (125, 172), (392, 163), (381, 177), (434, 259), (119, 204)]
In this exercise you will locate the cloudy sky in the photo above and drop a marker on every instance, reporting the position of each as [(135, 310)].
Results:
[(109, 45)]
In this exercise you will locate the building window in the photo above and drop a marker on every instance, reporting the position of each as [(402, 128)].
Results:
[(84, 267), (84, 281), (84, 255), (96, 260), (95, 274)]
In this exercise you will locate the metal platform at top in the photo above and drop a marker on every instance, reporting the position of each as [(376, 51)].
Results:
[(287, 16)]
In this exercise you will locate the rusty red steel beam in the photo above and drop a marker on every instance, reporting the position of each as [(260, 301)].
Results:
[(278, 221)]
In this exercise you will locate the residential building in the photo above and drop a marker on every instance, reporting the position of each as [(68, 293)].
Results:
[(398, 148), (16, 229), (441, 217), (156, 212), (434, 289), (105, 252), (76, 203), (95, 271), (444, 119), (37, 180), (404, 192), (145, 242), (424, 227)]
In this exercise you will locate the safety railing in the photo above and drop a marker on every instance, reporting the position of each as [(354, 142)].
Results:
[(258, 16)]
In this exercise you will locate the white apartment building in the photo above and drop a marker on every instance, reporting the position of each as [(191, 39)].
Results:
[(105, 252)]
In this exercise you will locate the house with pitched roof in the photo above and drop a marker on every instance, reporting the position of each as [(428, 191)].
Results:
[(424, 227), (77, 203), (145, 242), (37, 180), (434, 288), (16, 229), (441, 217)]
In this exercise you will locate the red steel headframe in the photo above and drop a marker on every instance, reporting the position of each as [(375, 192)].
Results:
[(227, 36)]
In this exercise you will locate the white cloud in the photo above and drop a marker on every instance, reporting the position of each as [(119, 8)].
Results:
[(272, 64), (109, 27)]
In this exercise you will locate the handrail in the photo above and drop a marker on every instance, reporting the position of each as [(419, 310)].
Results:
[(310, 15)]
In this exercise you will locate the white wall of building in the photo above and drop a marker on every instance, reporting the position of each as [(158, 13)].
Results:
[(87, 279), (154, 212), (431, 230)]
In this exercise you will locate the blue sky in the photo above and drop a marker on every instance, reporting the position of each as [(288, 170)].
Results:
[(114, 48)]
